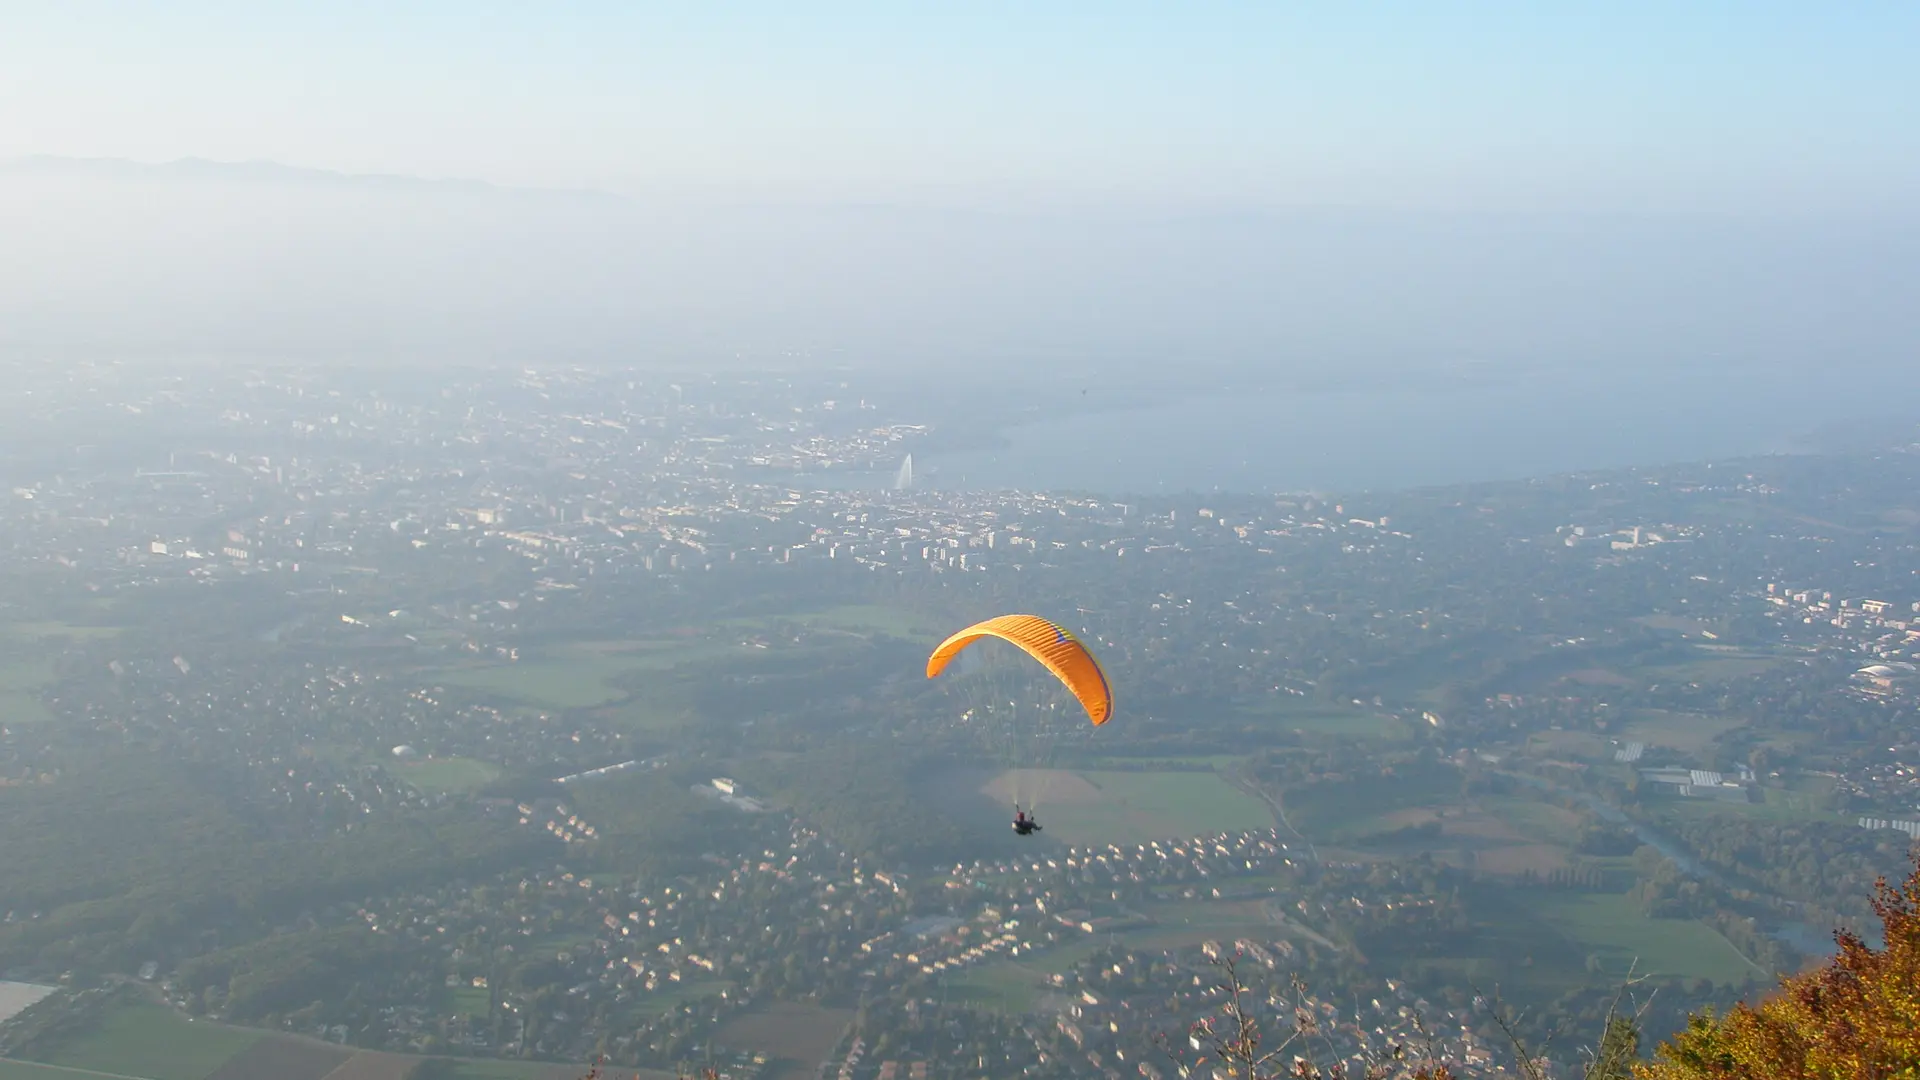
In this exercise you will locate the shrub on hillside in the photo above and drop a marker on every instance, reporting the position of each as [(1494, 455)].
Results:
[(1856, 1016)]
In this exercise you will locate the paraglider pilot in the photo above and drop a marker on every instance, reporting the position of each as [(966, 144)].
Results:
[(1023, 822)]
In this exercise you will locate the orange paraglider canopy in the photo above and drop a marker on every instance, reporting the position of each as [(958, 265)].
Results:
[(1054, 646)]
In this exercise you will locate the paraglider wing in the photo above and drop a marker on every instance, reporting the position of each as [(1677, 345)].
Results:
[(1056, 649)]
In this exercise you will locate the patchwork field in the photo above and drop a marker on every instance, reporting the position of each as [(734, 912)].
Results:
[(1102, 807), (797, 1038)]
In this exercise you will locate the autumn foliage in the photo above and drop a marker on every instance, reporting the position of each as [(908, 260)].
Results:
[(1858, 1016)]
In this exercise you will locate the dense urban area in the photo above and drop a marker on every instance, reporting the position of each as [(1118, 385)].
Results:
[(485, 724)]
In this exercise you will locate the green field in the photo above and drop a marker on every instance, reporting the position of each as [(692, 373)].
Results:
[(853, 619), (569, 680), (1016, 985), (592, 674), (41, 631), (514, 1070), (18, 708), (1538, 941), (20, 683), (1611, 926), (1129, 807), (24, 675), (1711, 666), (585, 674), (1780, 805), (649, 711), (26, 1070), (470, 1001), (1183, 923), (1337, 811), (1533, 818), (671, 995), (1001, 985), (1689, 733), (447, 774), (1318, 718), (149, 1041)]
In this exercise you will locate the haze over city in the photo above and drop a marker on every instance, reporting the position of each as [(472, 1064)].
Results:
[(1000, 542)]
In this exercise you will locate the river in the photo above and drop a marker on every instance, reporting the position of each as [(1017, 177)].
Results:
[(1805, 937)]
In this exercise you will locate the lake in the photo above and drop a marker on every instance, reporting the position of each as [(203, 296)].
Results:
[(1390, 436)]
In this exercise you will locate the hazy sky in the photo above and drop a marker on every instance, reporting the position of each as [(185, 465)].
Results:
[(1143, 186), (1749, 107)]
